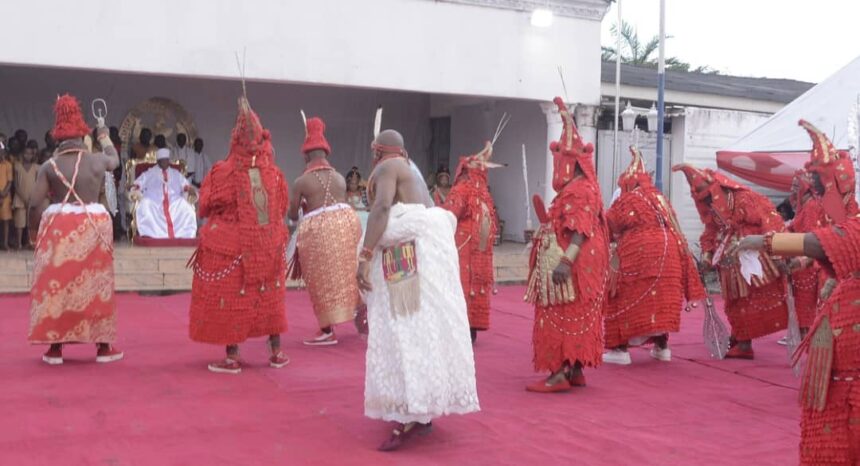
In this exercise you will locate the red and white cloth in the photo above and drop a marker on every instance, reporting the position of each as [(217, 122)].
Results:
[(163, 211), (73, 279)]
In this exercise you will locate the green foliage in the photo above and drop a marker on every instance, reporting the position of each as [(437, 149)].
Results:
[(635, 52)]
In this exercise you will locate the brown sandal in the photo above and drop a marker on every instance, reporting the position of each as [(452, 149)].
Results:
[(403, 433)]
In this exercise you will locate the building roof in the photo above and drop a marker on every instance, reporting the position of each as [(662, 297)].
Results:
[(767, 89), (587, 9)]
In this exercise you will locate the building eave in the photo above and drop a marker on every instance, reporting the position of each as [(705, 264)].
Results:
[(692, 99), (583, 9)]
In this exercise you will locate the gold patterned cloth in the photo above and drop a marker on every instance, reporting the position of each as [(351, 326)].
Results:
[(73, 279), (326, 245)]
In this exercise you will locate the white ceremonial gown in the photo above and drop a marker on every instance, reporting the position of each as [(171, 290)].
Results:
[(163, 212), (420, 365), (197, 164)]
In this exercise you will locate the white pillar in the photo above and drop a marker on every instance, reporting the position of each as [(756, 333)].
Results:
[(554, 126), (585, 117)]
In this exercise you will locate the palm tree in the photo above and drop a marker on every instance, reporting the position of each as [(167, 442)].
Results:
[(634, 52)]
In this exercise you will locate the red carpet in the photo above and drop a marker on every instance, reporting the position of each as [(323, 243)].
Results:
[(160, 406)]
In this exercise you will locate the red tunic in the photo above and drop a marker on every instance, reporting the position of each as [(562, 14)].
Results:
[(757, 310), (571, 331), (832, 435), (239, 266), (656, 272), (470, 201)]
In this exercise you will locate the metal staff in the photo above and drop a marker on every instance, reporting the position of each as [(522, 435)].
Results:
[(714, 331)]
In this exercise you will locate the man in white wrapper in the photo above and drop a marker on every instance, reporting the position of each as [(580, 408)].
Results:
[(162, 208), (419, 353)]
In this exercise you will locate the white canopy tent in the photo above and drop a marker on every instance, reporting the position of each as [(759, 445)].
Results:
[(827, 106), (770, 154)]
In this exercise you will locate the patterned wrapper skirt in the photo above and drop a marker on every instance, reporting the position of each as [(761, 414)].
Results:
[(73, 279), (327, 240)]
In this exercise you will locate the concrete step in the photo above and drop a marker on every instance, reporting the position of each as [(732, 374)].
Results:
[(153, 269)]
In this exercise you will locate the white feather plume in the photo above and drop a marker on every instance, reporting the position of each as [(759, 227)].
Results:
[(377, 122), (305, 121)]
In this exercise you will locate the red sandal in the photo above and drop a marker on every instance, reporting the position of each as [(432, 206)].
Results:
[(541, 387)]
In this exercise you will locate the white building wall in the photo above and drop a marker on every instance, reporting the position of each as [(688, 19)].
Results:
[(348, 113), (415, 45), (696, 137)]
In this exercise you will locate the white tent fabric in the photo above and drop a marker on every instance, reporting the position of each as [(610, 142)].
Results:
[(829, 106)]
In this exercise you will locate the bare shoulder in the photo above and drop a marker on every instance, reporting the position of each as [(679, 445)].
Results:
[(391, 168), (337, 177), (301, 182)]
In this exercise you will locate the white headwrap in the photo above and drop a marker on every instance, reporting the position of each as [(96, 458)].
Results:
[(161, 154)]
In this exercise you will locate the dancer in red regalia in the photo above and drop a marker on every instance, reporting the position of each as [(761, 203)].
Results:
[(73, 280), (656, 274), (729, 212), (470, 201), (824, 195), (830, 390), (239, 266), (568, 267)]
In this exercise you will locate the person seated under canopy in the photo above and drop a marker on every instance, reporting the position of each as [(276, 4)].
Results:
[(162, 207)]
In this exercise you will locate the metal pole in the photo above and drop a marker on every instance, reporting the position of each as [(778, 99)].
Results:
[(661, 85), (617, 91)]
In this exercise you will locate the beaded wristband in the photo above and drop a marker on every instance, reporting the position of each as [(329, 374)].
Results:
[(567, 260), (366, 254)]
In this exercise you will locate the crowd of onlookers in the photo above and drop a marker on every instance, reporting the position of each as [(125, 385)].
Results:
[(22, 157)]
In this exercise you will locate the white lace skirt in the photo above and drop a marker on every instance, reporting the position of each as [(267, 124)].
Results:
[(420, 366)]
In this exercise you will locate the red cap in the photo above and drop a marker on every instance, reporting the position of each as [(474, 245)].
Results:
[(69, 121), (315, 137)]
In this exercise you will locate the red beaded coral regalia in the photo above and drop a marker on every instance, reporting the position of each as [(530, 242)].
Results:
[(656, 273), (830, 390), (568, 323), (729, 212), (470, 201), (239, 266)]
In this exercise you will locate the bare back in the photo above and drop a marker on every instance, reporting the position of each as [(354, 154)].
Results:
[(90, 179), (410, 189), (320, 188), (90, 174)]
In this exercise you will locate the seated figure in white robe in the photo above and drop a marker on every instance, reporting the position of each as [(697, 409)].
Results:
[(163, 210)]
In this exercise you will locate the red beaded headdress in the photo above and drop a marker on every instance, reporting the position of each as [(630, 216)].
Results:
[(570, 151), (835, 170), (250, 143), (479, 162), (315, 136), (706, 183), (69, 121), (636, 174)]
